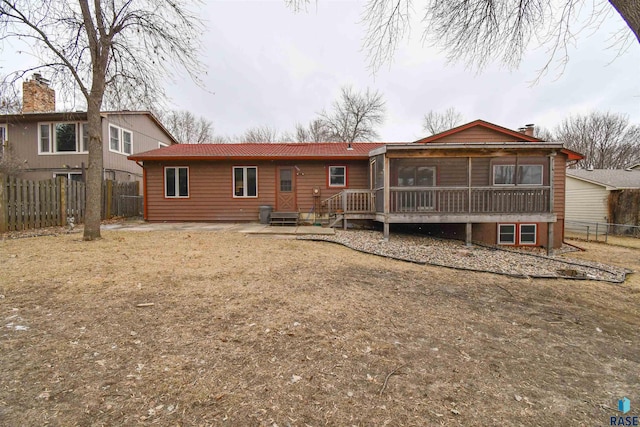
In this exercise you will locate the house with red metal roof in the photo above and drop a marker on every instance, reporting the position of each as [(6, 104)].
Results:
[(487, 183)]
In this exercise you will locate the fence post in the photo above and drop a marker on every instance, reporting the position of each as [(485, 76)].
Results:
[(62, 194), (3, 203), (109, 191)]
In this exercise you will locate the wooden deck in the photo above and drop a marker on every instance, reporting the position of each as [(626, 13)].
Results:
[(438, 202)]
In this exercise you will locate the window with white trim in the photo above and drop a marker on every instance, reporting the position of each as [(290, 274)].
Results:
[(120, 140), (62, 137), (85, 137), (527, 234), (527, 174), (337, 176), (176, 181), (245, 181), (506, 234), (3, 138), (71, 176), (517, 234)]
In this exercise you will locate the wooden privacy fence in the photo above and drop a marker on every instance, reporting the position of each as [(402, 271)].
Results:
[(121, 199), (36, 204)]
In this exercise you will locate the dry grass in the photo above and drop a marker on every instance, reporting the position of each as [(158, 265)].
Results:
[(624, 241), (262, 331)]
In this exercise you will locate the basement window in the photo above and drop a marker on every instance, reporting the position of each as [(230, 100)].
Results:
[(506, 234), (528, 234)]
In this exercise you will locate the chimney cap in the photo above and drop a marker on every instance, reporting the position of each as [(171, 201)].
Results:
[(38, 78), (530, 125)]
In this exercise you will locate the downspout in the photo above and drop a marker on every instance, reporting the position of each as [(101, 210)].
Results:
[(144, 189), (550, 237)]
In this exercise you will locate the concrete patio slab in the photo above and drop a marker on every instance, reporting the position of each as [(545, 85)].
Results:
[(247, 228)]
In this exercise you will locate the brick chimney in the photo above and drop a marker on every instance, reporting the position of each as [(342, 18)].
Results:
[(528, 129), (37, 96)]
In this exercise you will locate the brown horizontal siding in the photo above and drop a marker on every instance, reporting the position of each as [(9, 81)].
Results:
[(315, 174), (478, 134), (559, 184), (481, 172), (210, 189)]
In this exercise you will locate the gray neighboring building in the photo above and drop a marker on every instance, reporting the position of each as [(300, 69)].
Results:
[(588, 192), (47, 143)]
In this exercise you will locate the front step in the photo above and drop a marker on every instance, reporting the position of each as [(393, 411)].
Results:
[(284, 218)]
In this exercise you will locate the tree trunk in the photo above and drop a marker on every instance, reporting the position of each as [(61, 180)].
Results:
[(630, 12), (94, 172)]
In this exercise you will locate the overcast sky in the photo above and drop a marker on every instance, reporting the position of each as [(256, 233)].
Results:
[(267, 65)]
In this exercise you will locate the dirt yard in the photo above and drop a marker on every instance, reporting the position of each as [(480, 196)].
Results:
[(264, 331)]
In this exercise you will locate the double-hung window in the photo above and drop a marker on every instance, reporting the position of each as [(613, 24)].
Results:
[(527, 175), (506, 234), (120, 140), (245, 181), (337, 176), (527, 234), (176, 182), (63, 137)]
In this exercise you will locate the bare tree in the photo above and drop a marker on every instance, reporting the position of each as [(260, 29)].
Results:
[(258, 134), (543, 133), (355, 116), (9, 165), (316, 131), (10, 100), (479, 31), (187, 128), (607, 140), (116, 50), (435, 122)]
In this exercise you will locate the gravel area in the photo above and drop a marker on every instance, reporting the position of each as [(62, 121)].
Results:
[(455, 254)]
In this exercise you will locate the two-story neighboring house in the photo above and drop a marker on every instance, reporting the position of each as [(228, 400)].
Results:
[(47, 144)]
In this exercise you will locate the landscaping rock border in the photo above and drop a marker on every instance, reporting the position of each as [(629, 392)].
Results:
[(455, 254)]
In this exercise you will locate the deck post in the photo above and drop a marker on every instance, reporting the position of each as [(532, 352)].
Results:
[(468, 234), (4, 226), (469, 184), (344, 209), (550, 238), (387, 196), (552, 158)]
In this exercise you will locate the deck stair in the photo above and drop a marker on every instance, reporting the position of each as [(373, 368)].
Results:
[(284, 218), (335, 219)]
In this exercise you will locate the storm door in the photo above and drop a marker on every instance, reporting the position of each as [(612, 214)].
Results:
[(286, 189)]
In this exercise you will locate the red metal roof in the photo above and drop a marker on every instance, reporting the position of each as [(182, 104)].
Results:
[(314, 150)]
